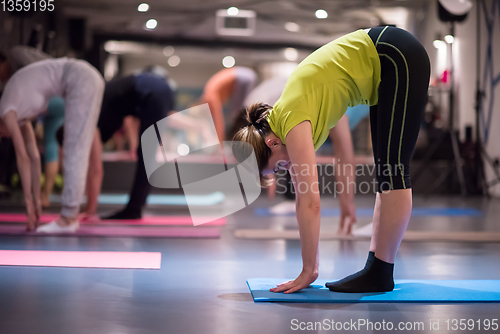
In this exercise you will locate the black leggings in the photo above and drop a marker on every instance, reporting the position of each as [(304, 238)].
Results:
[(149, 109), (402, 95)]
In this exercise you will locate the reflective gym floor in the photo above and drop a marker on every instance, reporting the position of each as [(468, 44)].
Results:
[(201, 287)]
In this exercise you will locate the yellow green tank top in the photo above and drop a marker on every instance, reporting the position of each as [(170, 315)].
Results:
[(340, 74)]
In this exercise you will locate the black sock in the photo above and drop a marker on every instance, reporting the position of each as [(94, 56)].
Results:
[(125, 214), (369, 260), (376, 276), (368, 264)]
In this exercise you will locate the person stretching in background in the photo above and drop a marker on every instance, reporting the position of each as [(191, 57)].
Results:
[(16, 58), (26, 96), (230, 84), (136, 102)]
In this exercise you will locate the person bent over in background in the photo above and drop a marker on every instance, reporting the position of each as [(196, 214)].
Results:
[(230, 84), (136, 101), (27, 95)]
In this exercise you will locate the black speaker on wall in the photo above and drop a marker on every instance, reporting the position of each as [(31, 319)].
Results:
[(77, 34)]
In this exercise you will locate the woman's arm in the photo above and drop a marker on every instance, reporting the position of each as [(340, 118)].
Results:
[(95, 175), (131, 125), (215, 105), (23, 164), (35, 166), (300, 149), (344, 174)]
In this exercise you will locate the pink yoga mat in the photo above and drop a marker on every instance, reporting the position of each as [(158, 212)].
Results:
[(116, 156), (122, 231), (123, 260), (146, 220), (21, 218)]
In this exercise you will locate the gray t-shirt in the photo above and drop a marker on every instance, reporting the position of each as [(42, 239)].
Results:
[(29, 89)]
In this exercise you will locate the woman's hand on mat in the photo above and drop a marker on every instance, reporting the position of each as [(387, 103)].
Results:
[(347, 218), (303, 281)]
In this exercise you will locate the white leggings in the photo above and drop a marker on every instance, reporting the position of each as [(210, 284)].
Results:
[(84, 88)]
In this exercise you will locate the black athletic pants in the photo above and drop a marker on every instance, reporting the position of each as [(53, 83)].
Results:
[(402, 95), (151, 102)]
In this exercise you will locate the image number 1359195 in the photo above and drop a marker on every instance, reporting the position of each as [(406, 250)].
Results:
[(27, 5)]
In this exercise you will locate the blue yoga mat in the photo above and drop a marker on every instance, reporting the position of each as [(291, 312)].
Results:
[(201, 200), (405, 291), (333, 212)]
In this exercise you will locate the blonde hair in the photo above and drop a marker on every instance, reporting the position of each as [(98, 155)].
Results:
[(254, 133)]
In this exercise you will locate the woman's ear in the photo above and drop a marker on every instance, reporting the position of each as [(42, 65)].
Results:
[(278, 142), (273, 142)]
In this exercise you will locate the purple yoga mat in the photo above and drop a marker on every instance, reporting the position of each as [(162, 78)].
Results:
[(122, 231)]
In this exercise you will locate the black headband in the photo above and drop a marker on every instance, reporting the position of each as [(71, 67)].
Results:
[(257, 128)]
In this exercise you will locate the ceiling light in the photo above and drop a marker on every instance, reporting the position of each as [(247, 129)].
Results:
[(143, 7), (233, 11), (321, 14), (151, 24), (292, 26), (228, 61)]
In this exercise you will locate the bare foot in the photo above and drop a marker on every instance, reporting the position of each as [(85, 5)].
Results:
[(345, 229)]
